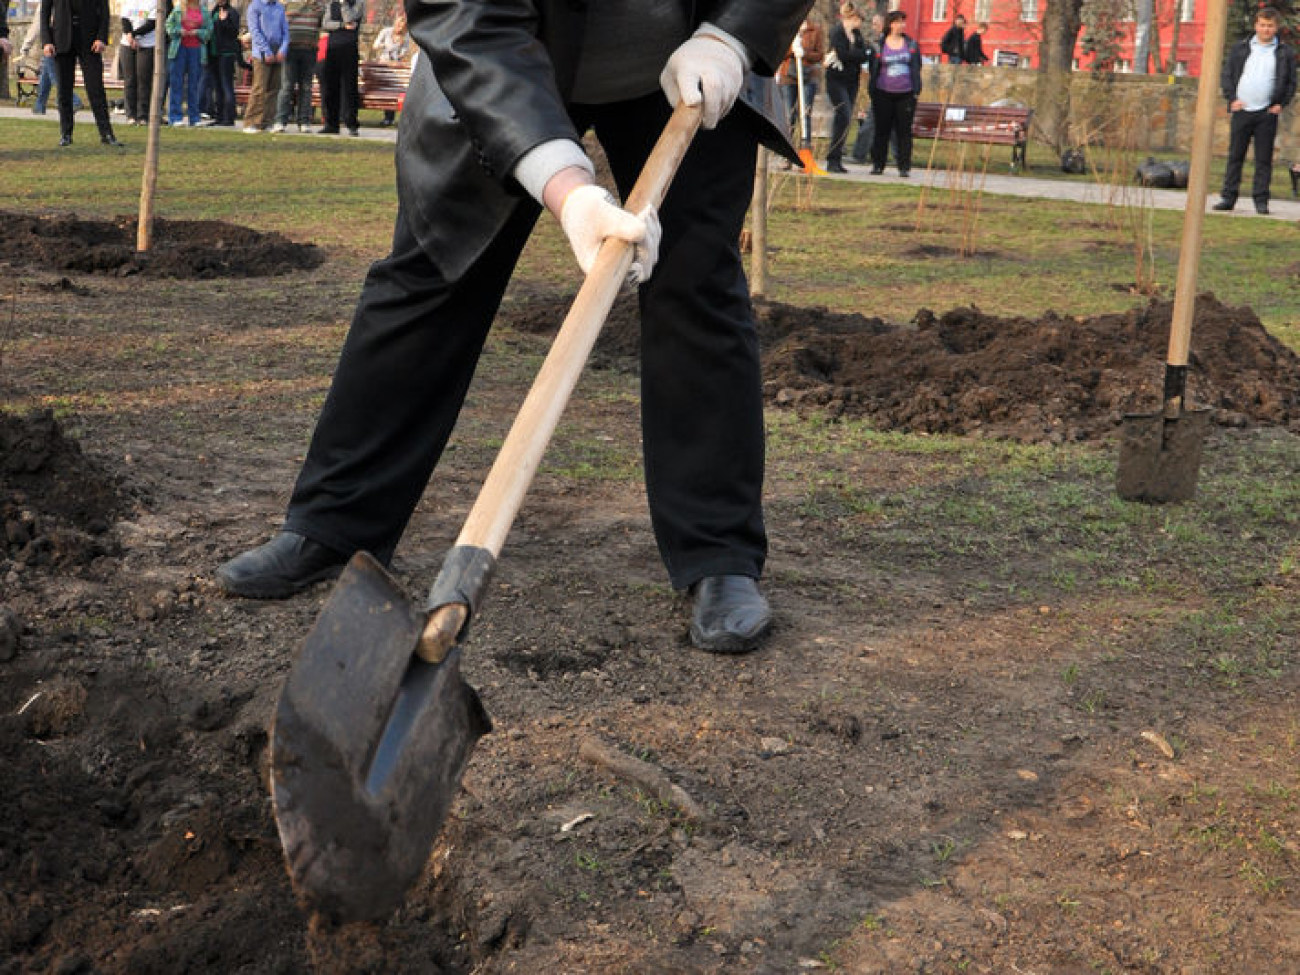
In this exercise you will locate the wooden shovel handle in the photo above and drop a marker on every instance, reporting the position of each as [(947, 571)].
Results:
[(503, 491), (1189, 253)]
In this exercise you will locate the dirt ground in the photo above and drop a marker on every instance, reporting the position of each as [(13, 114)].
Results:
[(945, 760)]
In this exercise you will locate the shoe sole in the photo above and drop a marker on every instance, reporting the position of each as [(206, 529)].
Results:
[(730, 644), (276, 591)]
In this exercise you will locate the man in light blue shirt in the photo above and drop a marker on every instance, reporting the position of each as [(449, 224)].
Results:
[(270, 34), (1258, 80)]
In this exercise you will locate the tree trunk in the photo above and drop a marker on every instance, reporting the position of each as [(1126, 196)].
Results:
[(1172, 61), (1142, 35), (1061, 24)]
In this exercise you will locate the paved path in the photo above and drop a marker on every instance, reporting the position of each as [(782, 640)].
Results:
[(1081, 189)]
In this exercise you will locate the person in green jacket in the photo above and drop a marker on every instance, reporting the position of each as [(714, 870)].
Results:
[(189, 26)]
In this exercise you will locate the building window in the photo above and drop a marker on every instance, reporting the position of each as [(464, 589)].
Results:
[(895, 5), (983, 11), (1186, 10), (1029, 11), (940, 13)]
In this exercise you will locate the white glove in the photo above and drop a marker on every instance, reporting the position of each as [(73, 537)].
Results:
[(704, 69), (833, 60), (797, 47), (590, 214)]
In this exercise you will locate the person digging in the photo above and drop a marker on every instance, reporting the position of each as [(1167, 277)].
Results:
[(486, 143)]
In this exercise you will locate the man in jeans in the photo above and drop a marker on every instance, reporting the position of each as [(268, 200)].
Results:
[(340, 94), (304, 17), (270, 33), (1258, 80)]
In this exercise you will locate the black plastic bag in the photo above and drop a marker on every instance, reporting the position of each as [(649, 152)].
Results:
[(1155, 174)]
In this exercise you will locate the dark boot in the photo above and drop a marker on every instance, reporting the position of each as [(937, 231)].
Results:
[(730, 615), (285, 565)]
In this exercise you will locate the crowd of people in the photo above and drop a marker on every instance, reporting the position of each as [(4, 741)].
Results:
[(891, 61), (286, 45)]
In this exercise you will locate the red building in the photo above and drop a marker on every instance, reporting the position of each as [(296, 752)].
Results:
[(1015, 28)]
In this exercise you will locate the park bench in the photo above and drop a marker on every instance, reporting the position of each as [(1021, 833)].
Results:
[(383, 84), (999, 125), (26, 81)]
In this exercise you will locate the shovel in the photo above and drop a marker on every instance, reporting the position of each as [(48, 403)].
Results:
[(1160, 453), (805, 125), (375, 723)]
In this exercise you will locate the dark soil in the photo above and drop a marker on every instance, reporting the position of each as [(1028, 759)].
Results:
[(963, 372), (179, 249), (947, 759)]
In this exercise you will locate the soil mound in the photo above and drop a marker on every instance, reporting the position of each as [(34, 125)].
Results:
[(1052, 379), (56, 504), (181, 248)]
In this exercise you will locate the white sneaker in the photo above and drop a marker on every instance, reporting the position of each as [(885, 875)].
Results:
[(251, 130), (278, 127), (182, 124)]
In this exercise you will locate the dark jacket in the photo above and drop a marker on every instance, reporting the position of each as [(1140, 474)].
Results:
[(1283, 79), (953, 43), (503, 70), (914, 64), (852, 52), (56, 23), (225, 33), (975, 50)]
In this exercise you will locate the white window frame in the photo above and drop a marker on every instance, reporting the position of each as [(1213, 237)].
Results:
[(983, 11), (1029, 11), (939, 11), (1186, 10)]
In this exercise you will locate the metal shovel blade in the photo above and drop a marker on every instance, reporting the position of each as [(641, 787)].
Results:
[(368, 747), (1159, 457)]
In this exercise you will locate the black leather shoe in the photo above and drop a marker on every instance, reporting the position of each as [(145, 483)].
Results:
[(285, 565), (877, 170), (834, 167), (1225, 205), (730, 616), (65, 141), (111, 140), (327, 130), (1261, 208)]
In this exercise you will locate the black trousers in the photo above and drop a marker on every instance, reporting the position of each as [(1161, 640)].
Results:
[(1261, 128), (893, 114), (92, 72), (842, 92), (416, 338), (339, 88), (137, 81)]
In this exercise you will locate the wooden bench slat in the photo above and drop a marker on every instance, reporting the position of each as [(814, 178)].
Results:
[(984, 124)]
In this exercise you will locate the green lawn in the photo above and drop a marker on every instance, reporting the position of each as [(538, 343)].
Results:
[(862, 247)]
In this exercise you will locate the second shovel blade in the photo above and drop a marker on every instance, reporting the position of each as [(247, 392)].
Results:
[(1160, 458)]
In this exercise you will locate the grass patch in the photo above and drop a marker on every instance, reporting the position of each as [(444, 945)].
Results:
[(1033, 256)]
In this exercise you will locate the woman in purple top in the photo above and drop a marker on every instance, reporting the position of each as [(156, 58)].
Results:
[(894, 87)]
